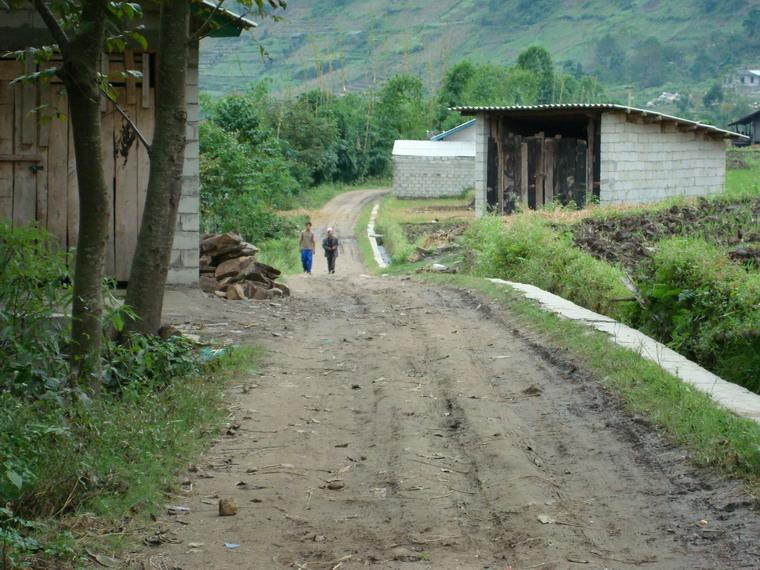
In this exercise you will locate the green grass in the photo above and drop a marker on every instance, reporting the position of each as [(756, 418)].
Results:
[(362, 240), (315, 198), (715, 436), (115, 461), (395, 213), (743, 183), (281, 253)]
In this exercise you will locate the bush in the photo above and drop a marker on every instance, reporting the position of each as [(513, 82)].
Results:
[(528, 250), (60, 450), (705, 307), (33, 300)]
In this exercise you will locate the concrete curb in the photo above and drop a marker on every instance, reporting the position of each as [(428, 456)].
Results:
[(731, 396), (373, 237)]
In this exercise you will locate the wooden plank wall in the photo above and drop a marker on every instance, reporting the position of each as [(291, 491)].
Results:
[(38, 179), (535, 170)]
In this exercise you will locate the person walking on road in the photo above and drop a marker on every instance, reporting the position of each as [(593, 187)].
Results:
[(307, 244), (330, 245)]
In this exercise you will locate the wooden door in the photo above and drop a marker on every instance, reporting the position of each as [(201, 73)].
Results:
[(38, 179)]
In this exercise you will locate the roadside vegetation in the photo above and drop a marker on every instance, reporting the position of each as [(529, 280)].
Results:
[(73, 461), (265, 159), (683, 271), (715, 436), (684, 289)]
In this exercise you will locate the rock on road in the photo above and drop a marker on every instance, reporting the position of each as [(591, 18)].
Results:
[(403, 425)]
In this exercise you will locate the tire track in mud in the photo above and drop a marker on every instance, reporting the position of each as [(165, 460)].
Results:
[(404, 426)]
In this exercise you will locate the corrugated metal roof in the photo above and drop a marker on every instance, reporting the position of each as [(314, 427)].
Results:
[(433, 148), (746, 119), (445, 134), (519, 109), (231, 18)]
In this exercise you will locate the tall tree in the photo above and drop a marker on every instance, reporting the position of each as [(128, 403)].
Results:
[(538, 60), (81, 48), (150, 264), (152, 258)]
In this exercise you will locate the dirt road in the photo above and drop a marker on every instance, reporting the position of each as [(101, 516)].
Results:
[(400, 425)]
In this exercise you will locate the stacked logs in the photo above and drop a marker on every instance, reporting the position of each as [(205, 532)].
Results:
[(229, 270)]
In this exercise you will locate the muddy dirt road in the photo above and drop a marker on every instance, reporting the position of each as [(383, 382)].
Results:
[(400, 425)]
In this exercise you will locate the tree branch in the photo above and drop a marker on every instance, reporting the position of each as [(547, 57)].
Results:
[(207, 24), (129, 120), (59, 35)]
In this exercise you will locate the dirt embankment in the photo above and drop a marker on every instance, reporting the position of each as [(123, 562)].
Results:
[(399, 425), (628, 239)]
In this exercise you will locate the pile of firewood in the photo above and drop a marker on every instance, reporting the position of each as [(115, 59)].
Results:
[(229, 270)]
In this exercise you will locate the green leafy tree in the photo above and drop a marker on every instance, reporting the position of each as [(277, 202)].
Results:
[(714, 96), (538, 60), (453, 89)]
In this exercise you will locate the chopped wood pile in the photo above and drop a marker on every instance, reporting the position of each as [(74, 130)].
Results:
[(229, 269)]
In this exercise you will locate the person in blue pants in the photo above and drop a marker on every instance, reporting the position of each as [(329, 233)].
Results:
[(307, 243)]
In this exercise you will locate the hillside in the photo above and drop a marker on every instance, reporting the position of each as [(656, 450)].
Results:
[(639, 47)]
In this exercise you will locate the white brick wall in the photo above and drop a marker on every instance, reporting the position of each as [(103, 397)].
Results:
[(184, 261), (650, 162), (431, 176)]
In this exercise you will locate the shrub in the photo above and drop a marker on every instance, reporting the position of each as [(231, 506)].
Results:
[(705, 307), (33, 300), (528, 250)]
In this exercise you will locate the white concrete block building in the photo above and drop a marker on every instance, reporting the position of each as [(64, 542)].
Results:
[(573, 152), (432, 169)]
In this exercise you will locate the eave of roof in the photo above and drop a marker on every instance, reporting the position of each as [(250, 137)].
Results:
[(444, 134), (746, 119), (526, 109), (226, 23)]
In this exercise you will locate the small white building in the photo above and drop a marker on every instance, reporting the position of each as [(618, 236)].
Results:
[(539, 154), (432, 169)]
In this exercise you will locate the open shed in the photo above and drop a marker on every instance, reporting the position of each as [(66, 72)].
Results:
[(749, 125), (37, 164), (574, 152)]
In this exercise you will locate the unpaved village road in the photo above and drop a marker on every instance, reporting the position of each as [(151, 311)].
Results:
[(403, 425)]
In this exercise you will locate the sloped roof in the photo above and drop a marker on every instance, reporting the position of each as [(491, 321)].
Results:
[(445, 134), (225, 23), (746, 119), (433, 148), (582, 107)]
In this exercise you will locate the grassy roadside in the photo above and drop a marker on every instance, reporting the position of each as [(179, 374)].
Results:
[(98, 472), (362, 240), (315, 198), (716, 436), (396, 215)]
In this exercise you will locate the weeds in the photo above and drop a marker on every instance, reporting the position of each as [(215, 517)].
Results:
[(61, 452), (528, 250), (704, 306)]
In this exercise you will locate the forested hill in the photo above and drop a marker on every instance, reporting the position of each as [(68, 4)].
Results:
[(631, 45)]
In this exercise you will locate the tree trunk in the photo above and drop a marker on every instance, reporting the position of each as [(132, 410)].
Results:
[(150, 265), (81, 63)]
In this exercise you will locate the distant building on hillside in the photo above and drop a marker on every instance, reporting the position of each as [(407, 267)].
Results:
[(749, 126), (745, 80), (539, 154)]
